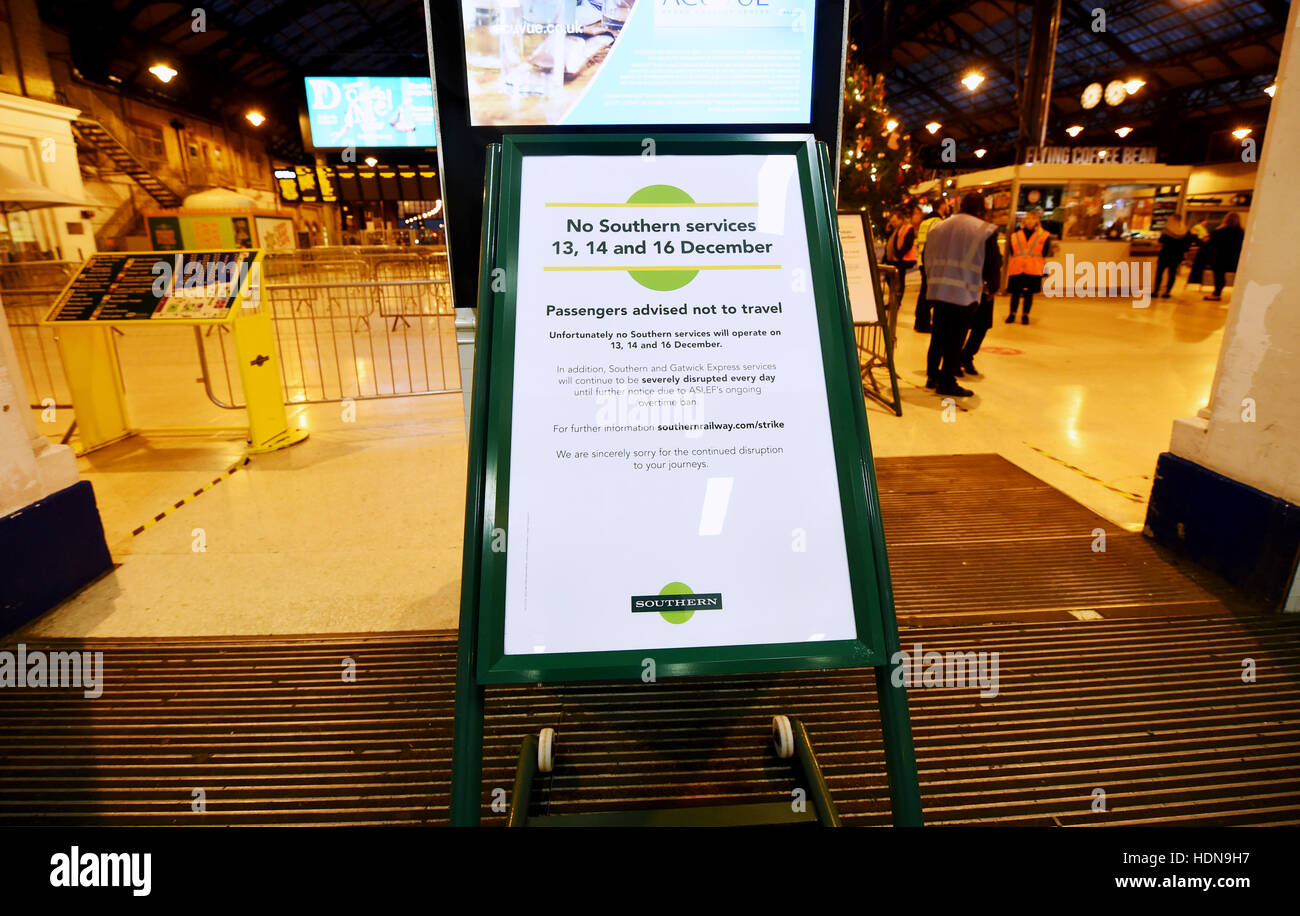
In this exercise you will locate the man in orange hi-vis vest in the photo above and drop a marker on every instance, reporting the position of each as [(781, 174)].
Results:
[(1030, 248)]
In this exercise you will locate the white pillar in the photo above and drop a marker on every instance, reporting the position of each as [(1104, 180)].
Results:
[(31, 467), (1251, 430)]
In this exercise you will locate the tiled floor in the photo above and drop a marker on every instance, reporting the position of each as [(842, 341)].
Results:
[(359, 528), (1089, 384)]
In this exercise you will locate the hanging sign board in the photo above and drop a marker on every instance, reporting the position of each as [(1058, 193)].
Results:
[(857, 268), (677, 434), (1091, 155)]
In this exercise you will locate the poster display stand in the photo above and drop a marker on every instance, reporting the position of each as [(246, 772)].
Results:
[(670, 469), (875, 317), (201, 289)]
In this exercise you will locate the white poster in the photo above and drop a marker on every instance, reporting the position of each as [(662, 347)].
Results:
[(275, 233), (857, 269), (672, 478)]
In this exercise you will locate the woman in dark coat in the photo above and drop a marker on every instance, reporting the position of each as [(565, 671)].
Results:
[(1227, 241)]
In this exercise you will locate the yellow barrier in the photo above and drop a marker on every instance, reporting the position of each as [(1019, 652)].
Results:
[(90, 360)]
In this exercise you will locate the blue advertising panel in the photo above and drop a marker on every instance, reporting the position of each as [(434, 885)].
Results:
[(370, 111), (625, 62)]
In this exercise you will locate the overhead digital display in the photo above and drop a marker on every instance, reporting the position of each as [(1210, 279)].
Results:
[(634, 62), (370, 111)]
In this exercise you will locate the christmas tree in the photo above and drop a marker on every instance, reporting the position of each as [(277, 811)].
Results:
[(875, 155)]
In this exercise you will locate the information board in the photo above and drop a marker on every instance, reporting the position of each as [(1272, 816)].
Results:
[(639, 61), (678, 441), (370, 111), (155, 285), (857, 268)]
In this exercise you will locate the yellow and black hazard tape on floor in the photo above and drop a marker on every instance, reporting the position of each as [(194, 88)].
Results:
[(1135, 497), (199, 492)]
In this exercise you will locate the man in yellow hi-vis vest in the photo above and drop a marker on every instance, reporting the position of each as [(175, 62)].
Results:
[(1030, 248), (937, 215)]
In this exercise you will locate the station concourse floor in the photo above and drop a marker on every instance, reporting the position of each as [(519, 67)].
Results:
[(359, 528)]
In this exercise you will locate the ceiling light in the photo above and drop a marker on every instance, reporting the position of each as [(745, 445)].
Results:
[(255, 117), (933, 127), (1134, 85), (972, 80), (1074, 130), (891, 124), (163, 72), (1241, 133), (1271, 90), (979, 153), (1123, 131), (372, 161)]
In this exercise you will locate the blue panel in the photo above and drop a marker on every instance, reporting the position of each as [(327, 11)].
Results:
[(48, 550), (1245, 535)]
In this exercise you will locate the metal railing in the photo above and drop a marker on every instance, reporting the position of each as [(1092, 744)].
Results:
[(350, 323), (28, 289)]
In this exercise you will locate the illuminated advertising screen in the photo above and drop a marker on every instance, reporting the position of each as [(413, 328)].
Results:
[(598, 62), (370, 111)]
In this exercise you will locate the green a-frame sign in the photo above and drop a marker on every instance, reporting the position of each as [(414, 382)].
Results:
[(509, 274)]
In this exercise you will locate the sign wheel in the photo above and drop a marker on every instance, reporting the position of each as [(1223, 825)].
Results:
[(783, 737), (546, 750)]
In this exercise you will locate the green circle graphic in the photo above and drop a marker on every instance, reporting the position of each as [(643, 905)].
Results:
[(662, 281), (676, 588)]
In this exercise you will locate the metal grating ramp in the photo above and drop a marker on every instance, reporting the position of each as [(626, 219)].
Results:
[(1149, 707), (973, 538)]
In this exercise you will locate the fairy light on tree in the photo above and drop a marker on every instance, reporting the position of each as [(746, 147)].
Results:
[(875, 155)]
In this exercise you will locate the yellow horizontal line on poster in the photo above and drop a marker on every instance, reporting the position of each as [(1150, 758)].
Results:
[(697, 204), (636, 267)]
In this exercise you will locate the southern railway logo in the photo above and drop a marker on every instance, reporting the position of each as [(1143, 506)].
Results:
[(676, 603)]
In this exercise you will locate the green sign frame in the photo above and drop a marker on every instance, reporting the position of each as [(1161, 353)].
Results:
[(482, 658), (859, 506)]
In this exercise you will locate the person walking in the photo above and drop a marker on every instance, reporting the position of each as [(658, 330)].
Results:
[(1030, 247), (962, 262), (937, 215), (1204, 252), (1174, 241), (1226, 242)]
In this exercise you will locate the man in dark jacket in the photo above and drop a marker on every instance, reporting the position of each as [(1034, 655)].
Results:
[(963, 262), (1226, 242)]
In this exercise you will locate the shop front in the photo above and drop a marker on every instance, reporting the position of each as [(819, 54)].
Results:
[(1104, 207), (1216, 190)]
